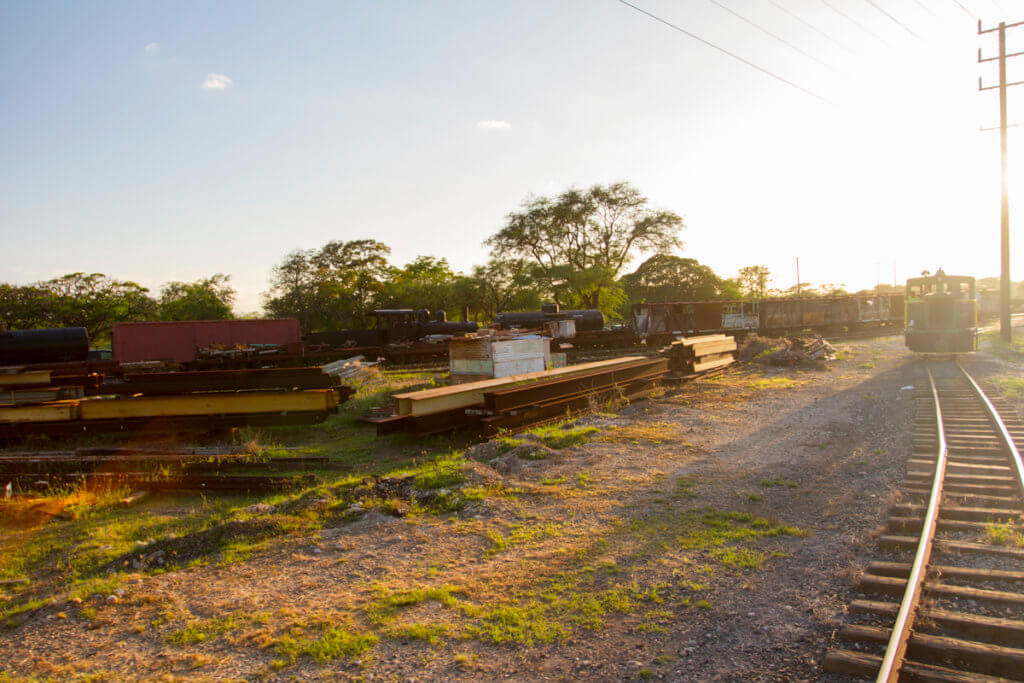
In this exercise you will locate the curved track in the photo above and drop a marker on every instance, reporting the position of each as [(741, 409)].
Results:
[(951, 605)]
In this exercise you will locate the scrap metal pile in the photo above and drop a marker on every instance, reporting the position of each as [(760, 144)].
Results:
[(698, 355), (802, 350), (519, 401)]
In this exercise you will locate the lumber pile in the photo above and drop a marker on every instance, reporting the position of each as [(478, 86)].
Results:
[(165, 401), (697, 355), (518, 401)]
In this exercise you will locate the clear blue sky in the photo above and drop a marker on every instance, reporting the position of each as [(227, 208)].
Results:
[(160, 141)]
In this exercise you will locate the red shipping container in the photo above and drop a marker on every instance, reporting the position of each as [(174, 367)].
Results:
[(179, 341)]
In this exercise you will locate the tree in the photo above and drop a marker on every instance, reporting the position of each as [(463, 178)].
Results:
[(330, 288), (210, 298), (665, 277), (90, 300), (424, 282), (580, 241), (753, 281), (503, 285)]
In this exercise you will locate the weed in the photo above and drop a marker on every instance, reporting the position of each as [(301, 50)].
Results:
[(684, 487), (583, 479), (772, 383), (645, 674), (703, 604), (524, 625), (201, 631), (429, 632), (1004, 534), (755, 497), (867, 365)]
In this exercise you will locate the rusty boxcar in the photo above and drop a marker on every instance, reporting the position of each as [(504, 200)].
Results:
[(179, 341)]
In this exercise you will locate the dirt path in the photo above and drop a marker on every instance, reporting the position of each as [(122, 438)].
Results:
[(710, 534)]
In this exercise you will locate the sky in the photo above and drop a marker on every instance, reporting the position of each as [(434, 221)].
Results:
[(170, 141)]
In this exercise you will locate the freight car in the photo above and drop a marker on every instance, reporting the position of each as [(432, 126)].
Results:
[(393, 326), (180, 341), (942, 314), (658, 323)]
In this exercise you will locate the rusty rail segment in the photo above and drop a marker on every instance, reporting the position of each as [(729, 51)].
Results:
[(896, 650), (968, 630)]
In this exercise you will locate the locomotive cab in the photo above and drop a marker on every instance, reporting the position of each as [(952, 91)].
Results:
[(941, 314)]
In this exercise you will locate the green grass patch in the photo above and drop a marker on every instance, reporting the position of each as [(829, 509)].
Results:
[(772, 383), (1004, 534), (208, 629), (429, 632), (1009, 386), (335, 642), (994, 343)]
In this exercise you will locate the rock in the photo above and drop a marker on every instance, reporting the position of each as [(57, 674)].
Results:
[(75, 601), (261, 509), (111, 598)]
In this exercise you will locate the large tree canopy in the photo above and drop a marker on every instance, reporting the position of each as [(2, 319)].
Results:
[(664, 277), (90, 300), (580, 241)]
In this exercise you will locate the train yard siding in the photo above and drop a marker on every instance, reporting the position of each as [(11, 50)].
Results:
[(714, 532)]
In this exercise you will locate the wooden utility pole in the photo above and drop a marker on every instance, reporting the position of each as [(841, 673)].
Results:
[(798, 276), (1004, 272)]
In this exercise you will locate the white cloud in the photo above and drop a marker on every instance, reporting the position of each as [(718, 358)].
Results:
[(152, 48), (216, 82), (493, 125)]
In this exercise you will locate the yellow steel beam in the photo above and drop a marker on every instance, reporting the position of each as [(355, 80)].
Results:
[(223, 403), (24, 378), (48, 412)]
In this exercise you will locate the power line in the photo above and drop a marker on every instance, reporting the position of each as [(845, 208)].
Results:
[(856, 23), (925, 8), (966, 11), (808, 24), (726, 52), (769, 33), (895, 20)]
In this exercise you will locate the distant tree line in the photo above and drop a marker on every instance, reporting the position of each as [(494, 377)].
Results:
[(574, 249)]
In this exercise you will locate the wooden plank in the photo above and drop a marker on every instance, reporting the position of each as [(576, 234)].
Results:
[(711, 364), (49, 412), (714, 347), (208, 404), (25, 379), (890, 542), (471, 393), (690, 341), (20, 397), (947, 571), (871, 583)]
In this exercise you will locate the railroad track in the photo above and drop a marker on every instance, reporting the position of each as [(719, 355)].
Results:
[(951, 608)]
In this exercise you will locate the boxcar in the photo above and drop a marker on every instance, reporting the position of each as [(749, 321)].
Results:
[(179, 341)]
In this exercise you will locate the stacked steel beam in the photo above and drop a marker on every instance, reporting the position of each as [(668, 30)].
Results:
[(519, 401), (37, 401)]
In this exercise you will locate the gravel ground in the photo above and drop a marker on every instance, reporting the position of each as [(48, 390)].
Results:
[(817, 448)]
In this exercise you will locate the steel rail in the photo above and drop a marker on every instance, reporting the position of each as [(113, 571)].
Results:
[(1018, 465), (896, 650)]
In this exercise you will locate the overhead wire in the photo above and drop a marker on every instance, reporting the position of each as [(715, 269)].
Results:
[(726, 52), (966, 11), (769, 33), (856, 23), (894, 19), (808, 24)]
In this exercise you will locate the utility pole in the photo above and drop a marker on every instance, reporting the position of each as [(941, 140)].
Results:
[(1004, 273), (798, 277)]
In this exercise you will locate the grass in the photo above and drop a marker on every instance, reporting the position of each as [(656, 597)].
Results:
[(1009, 386), (1004, 534), (645, 431), (772, 383), (335, 642), (994, 342), (778, 481), (556, 436), (202, 631)]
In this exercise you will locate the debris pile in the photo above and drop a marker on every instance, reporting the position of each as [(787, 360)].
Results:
[(698, 355), (802, 350), (352, 371)]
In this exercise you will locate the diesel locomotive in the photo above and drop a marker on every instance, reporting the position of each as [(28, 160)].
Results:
[(942, 314)]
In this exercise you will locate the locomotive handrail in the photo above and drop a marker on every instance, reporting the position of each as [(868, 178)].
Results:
[(896, 650)]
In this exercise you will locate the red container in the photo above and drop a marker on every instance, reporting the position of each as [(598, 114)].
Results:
[(179, 341)]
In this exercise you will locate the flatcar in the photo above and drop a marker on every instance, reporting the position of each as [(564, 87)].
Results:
[(941, 314)]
